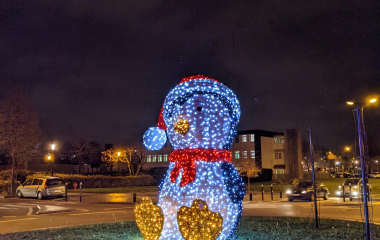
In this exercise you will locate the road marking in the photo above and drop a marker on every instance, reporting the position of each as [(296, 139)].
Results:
[(7, 208), (9, 216), (30, 211), (118, 208), (15, 206), (18, 220), (94, 213)]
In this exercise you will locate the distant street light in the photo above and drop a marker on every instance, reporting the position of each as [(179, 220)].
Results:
[(373, 100), (337, 166), (52, 161)]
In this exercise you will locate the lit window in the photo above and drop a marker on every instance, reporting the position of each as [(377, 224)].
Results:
[(165, 157), (275, 140), (237, 155), (245, 154), (154, 158), (281, 140), (243, 138), (252, 137), (253, 154), (160, 158), (148, 158)]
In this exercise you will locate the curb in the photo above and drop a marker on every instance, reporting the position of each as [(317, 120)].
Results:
[(11, 196)]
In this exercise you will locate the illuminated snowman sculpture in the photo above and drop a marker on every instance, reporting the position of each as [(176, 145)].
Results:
[(199, 116)]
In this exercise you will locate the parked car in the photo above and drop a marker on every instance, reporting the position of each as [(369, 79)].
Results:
[(41, 187), (339, 175), (374, 175), (304, 191), (355, 187), (347, 175)]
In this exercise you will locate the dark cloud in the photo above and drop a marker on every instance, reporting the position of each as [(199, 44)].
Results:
[(101, 69)]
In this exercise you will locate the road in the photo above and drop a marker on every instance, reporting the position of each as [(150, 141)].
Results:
[(31, 214)]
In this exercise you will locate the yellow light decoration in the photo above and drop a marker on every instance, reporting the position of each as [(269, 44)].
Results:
[(199, 223), (149, 219), (182, 126)]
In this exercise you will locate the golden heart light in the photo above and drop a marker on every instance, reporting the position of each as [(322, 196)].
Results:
[(197, 222), (149, 219)]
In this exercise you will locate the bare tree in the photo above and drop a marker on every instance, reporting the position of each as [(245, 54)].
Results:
[(132, 155), (79, 151), (19, 128), (249, 169), (110, 158)]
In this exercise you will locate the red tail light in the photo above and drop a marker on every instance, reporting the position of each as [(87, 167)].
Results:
[(46, 187)]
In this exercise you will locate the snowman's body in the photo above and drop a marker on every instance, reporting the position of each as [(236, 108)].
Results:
[(208, 186), (200, 114)]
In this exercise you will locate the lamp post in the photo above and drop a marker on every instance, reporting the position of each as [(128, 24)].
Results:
[(52, 161), (377, 166), (363, 153)]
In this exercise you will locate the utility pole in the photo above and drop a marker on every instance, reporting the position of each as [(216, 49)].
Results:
[(313, 172), (359, 112)]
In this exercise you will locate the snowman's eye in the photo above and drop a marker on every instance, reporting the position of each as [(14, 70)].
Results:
[(199, 109)]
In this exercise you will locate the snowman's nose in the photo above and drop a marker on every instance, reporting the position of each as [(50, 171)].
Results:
[(182, 126)]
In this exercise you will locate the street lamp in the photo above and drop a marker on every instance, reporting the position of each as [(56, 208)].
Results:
[(52, 161), (337, 167), (377, 168), (363, 153)]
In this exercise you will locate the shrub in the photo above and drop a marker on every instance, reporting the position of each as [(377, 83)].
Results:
[(101, 181), (276, 181), (20, 174), (5, 187), (294, 181)]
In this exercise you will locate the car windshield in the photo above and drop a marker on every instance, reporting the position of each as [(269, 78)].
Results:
[(304, 184), (352, 181), (54, 182)]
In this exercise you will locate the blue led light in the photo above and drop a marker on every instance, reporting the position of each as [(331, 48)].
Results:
[(154, 138)]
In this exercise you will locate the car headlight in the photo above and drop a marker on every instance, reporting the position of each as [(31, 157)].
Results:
[(338, 193), (304, 191), (355, 193), (288, 192), (340, 186)]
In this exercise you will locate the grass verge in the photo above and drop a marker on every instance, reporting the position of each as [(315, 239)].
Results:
[(118, 189), (248, 229)]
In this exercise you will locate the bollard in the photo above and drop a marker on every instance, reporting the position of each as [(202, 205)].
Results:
[(250, 197), (271, 192), (80, 192), (343, 193), (66, 192), (281, 194), (134, 197), (262, 192), (350, 193)]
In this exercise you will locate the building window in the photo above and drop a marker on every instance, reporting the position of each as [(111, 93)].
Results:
[(253, 154), (160, 158), (243, 138), (237, 139), (252, 137), (245, 154), (154, 158), (148, 158), (278, 156), (165, 157), (237, 155), (279, 140)]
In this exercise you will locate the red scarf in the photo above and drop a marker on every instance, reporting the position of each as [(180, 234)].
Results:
[(185, 159)]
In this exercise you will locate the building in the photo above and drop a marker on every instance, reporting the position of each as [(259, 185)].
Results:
[(280, 152)]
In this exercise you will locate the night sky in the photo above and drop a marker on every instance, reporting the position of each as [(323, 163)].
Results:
[(100, 70)]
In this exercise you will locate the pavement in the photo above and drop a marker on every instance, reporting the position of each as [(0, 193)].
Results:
[(32, 214)]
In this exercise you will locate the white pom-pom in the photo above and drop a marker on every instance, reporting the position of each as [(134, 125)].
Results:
[(154, 138)]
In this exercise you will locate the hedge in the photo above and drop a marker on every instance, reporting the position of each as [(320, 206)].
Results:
[(5, 187), (101, 181)]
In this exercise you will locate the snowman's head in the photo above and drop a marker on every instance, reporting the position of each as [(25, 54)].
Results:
[(198, 113)]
